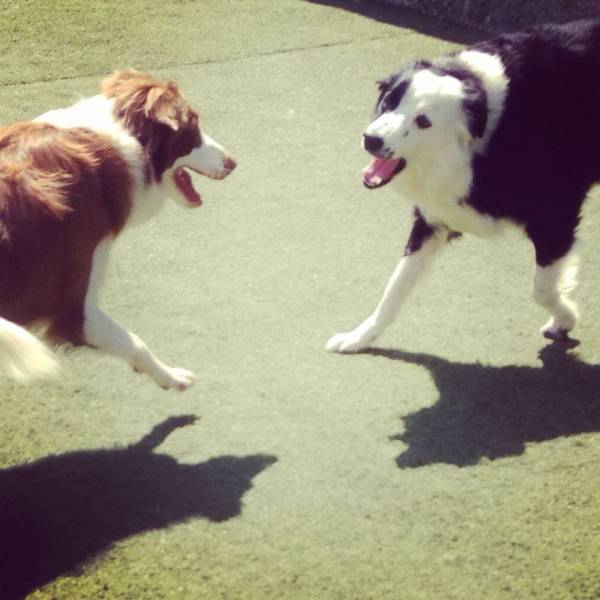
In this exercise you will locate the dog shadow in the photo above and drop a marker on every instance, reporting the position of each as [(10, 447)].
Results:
[(61, 511), (493, 412)]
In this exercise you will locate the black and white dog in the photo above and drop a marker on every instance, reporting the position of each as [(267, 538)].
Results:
[(504, 132)]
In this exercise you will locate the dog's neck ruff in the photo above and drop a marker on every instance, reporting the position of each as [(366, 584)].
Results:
[(489, 68)]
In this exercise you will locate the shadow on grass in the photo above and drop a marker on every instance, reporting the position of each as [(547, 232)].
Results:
[(405, 18), (61, 511), (493, 412)]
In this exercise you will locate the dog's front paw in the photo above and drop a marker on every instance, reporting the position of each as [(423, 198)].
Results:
[(352, 341), (176, 378)]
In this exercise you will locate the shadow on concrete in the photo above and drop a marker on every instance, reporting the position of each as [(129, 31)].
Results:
[(493, 412), (405, 18), (61, 511)]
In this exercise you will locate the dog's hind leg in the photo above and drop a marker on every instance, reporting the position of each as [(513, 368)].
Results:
[(555, 277), (423, 244), (551, 288)]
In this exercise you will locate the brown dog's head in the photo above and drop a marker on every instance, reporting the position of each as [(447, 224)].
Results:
[(160, 118)]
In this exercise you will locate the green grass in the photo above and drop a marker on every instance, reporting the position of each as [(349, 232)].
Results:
[(45, 41), (453, 462)]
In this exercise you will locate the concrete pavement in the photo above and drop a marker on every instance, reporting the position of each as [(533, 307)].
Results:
[(452, 463)]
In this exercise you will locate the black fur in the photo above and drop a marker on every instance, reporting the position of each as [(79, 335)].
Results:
[(545, 152), (534, 152), (392, 92), (421, 231), (475, 103)]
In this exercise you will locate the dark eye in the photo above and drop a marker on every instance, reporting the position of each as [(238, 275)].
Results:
[(422, 122)]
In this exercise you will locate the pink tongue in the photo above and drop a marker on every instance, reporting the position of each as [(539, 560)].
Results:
[(183, 181), (379, 171)]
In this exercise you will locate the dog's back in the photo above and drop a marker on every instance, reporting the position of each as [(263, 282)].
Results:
[(61, 192)]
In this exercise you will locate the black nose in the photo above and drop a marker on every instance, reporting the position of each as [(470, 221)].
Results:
[(372, 143)]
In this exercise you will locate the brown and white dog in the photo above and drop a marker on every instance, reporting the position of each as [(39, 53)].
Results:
[(70, 182)]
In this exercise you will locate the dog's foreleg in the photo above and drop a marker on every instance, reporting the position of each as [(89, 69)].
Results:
[(101, 332), (422, 246), (551, 287)]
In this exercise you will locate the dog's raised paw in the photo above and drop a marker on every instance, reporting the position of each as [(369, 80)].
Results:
[(177, 378)]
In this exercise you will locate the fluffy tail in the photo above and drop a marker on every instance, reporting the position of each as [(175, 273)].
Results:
[(22, 356)]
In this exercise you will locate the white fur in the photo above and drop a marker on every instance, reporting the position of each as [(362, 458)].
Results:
[(409, 270), (437, 177), (438, 174), (101, 332), (22, 356), (208, 159), (551, 287), (490, 69), (96, 113)]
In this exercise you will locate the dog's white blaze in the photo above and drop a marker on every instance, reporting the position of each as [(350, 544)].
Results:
[(208, 159), (387, 124), (426, 83)]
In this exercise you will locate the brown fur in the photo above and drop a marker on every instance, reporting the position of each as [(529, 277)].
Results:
[(61, 192), (64, 190), (157, 114)]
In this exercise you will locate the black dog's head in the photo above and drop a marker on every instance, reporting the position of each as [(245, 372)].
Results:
[(422, 110)]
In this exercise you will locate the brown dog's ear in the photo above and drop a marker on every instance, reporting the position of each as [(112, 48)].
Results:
[(164, 105), (140, 100)]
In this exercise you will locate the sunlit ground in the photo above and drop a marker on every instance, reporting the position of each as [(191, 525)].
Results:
[(458, 460)]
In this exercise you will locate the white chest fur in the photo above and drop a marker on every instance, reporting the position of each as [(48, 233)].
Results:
[(438, 190), (459, 216)]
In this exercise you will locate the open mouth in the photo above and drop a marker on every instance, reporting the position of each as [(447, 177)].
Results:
[(382, 171), (184, 184)]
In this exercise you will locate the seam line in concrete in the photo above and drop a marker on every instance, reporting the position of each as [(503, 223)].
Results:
[(209, 61)]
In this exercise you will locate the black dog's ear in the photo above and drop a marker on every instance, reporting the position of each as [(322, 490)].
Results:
[(385, 84), (475, 104), (422, 64), (475, 100)]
